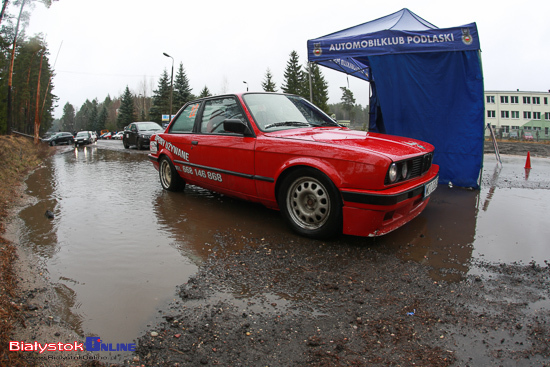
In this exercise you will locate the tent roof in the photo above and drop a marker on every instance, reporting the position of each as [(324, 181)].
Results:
[(401, 32), (402, 20)]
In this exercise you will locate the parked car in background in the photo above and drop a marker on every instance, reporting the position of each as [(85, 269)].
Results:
[(528, 136), (83, 138), (139, 134), (118, 136), (60, 138), (107, 135), (285, 153)]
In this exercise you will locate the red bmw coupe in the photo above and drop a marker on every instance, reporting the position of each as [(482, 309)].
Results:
[(282, 151)]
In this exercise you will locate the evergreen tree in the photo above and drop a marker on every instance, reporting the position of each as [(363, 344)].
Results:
[(102, 118), (348, 101), (126, 112), (293, 76), (68, 118), (161, 99), (182, 91), (268, 84), (319, 86), (205, 92)]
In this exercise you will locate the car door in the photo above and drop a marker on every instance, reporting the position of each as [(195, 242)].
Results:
[(223, 161)]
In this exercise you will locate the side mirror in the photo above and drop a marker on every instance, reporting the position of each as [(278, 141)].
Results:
[(236, 126)]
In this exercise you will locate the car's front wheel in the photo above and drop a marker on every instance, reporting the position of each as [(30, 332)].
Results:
[(311, 203), (169, 177)]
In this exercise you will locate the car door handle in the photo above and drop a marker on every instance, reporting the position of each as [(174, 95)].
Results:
[(195, 142)]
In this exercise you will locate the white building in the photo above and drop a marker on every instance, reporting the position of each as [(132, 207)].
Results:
[(512, 114)]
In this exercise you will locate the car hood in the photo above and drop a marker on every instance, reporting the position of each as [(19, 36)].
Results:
[(394, 147)]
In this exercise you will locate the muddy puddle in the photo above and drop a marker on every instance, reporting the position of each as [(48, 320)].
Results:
[(118, 245)]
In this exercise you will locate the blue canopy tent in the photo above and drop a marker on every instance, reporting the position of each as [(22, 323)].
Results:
[(426, 83)]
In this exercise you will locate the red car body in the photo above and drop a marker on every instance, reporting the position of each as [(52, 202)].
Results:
[(325, 179)]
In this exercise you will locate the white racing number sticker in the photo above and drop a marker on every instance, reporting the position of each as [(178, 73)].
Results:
[(430, 187), (214, 176)]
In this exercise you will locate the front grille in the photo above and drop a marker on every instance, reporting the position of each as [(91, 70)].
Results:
[(420, 165), (417, 166)]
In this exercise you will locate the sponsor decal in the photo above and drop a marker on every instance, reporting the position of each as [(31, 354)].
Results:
[(467, 37), (172, 148), (317, 51)]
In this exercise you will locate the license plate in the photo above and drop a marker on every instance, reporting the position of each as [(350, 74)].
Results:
[(430, 187)]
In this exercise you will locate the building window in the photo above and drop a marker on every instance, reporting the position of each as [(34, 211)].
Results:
[(505, 128), (505, 114), (527, 115), (491, 114), (515, 114), (536, 115), (515, 127), (526, 100), (503, 99), (514, 100), (527, 128), (490, 99), (545, 131), (536, 100), (547, 115), (545, 100)]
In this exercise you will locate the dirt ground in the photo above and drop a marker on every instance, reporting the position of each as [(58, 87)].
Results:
[(324, 304), (276, 302)]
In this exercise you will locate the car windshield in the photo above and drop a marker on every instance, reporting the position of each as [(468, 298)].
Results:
[(82, 134), (149, 126), (280, 112)]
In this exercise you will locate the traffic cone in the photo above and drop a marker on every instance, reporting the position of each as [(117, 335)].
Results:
[(528, 161)]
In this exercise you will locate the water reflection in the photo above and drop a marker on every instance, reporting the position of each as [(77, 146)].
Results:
[(110, 264)]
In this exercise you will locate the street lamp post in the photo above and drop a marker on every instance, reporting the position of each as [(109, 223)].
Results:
[(246, 85), (171, 83)]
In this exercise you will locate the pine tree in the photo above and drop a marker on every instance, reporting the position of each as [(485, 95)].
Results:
[(102, 118), (319, 86), (182, 91), (68, 118), (268, 84), (293, 76), (161, 99), (348, 101), (205, 92), (126, 112)]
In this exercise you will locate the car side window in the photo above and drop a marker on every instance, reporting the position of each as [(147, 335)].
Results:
[(186, 119), (216, 111)]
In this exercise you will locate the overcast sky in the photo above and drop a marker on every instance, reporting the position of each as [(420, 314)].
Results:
[(106, 45)]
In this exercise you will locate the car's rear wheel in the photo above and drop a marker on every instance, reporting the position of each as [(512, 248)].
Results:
[(52, 143), (169, 177), (311, 204)]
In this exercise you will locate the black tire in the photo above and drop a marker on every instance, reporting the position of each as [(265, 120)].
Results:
[(169, 178), (311, 204), (126, 146), (52, 143)]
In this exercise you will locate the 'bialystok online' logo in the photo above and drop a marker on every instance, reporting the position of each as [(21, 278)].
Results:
[(92, 344)]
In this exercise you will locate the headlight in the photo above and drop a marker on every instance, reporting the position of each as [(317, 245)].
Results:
[(153, 147), (404, 170), (392, 174)]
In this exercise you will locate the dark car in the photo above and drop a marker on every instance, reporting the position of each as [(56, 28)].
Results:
[(139, 133), (60, 138), (83, 138)]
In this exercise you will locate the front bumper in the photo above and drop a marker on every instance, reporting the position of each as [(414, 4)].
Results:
[(378, 213)]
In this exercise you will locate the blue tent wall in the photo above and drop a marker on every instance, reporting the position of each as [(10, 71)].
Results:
[(438, 98)]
